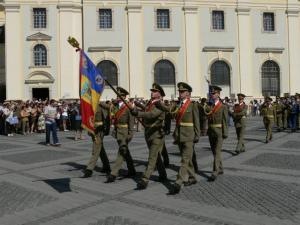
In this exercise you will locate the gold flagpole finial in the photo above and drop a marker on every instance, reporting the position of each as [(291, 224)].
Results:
[(72, 41)]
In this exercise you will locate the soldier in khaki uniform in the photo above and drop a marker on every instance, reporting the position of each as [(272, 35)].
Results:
[(98, 148), (217, 129), (285, 112), (153, 119), (186, 134), (123, 133), (203, 117), (268, 112), (239, 116), (279, 113)]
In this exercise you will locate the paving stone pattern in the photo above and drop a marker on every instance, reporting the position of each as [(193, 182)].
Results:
[(37, 156), (15, 198), (270, 198), (116, 220), (7, 146), (273, 160), (291, 144), (40, 185)]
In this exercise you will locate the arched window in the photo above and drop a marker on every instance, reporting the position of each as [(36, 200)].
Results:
[(109, 71), (220, 73), (40, 55), (270, 76), (164, 73)]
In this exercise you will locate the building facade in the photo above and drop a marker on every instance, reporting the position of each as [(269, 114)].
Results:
[(249, 46)]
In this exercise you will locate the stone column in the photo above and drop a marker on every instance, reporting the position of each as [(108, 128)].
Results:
[(136, 51), (14, 52), (245, 52), (70, 24), (192, 48), (293, 21)]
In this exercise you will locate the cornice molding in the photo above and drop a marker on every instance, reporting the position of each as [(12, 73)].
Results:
[(104, 49), (292, 12), (163, 49), (269, 50), (68, 7), (243, 11), (134, 8), (39, 37), (190, 9), (217, 49), (10, 7)]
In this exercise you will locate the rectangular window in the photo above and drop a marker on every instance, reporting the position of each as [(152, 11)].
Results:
[(163, 18), (218, 22), (39, 18), (105, 18), (269, 21)]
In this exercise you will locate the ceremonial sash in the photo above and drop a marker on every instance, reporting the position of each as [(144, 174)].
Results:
[(119, 113), (215, 109), (238, 108), (182, 111)]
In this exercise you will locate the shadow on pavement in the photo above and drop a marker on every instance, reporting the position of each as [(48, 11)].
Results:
[(61, 185)]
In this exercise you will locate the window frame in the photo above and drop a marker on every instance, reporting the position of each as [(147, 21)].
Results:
[(279, 81), (156, 28), (174, 68), (212, 29), (32, 18), (33, 56), (262, 23), (229, 72), (117, 72), (98, 19)]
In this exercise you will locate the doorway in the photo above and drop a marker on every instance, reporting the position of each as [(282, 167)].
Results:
[(40, 93)]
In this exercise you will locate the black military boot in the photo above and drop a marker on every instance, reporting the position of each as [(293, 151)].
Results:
[(175, 189), (191, 181), (141, 185), (110, 178), (87, 173)]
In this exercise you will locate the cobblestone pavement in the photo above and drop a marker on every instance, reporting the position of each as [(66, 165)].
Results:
[(42, 185)]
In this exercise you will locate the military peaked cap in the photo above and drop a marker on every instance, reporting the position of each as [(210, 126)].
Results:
[(122, 91), (157, 87), (269, 99), (216, 88), (240, 94), (184, 87)]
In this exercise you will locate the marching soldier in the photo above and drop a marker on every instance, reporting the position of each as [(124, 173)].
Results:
[(279, 113), (123, 133), (298, 114), (186, 134), (153, 118), (217, 129), (294, 110), (269, 114), (203, 117), (98, 148), (285, 112), (239, 116)]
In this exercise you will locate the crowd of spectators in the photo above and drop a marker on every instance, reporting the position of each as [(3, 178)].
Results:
[(32, 116), (27, 117)]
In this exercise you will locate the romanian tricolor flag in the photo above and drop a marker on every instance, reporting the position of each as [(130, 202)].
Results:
[(91, 87)]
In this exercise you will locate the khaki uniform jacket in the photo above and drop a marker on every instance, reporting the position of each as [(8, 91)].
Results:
[(239, 114), (184, 132), (268, 113), (218, 118), (123, 130), (154, 122), (279, 108)]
